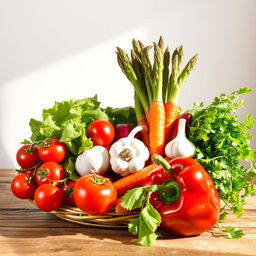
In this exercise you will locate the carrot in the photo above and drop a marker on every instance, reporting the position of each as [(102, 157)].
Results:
[(134, 180), (157, 116), (156, 135), (171, 113)]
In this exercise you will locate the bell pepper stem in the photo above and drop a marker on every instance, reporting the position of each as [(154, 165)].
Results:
[(169, 191), (160, 160)]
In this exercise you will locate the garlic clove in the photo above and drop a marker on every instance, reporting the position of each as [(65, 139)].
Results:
[(180, 146), (136, 164)]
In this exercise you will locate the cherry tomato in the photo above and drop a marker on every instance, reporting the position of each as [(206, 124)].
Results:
[(52, 151), (101, 132), (49, 172), (27, 156), (21, 187), (94, 194), (48, 197), (68, 193)]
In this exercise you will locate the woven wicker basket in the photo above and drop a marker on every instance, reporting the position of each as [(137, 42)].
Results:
[(108, 220)]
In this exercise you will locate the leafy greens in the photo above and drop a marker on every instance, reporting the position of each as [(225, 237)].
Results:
[(68, 122), (222, 143)]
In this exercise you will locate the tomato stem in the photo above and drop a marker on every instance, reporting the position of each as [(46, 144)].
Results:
[(55, 182), (97, 180)]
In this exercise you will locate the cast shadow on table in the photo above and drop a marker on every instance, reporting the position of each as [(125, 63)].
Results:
[(45, 228)]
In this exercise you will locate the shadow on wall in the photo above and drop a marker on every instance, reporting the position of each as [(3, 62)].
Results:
[(36, 34)]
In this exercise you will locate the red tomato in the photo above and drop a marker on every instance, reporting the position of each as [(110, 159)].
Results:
[(27, 157), (48, 197), (68, 193), (49, 172), (101, 132), (52, 151), (94, 194), (21, 187)]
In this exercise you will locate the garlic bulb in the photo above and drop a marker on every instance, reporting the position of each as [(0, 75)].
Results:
[(128, 155), (95, 160), (180, 146)]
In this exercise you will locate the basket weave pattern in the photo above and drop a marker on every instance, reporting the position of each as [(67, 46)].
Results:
[(110, 219)]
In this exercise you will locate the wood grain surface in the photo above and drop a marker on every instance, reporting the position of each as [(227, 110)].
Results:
[(25, 230)]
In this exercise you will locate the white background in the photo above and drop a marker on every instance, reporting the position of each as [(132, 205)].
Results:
[(55, 50)]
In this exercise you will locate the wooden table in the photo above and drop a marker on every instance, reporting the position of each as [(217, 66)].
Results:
[(25, 230)]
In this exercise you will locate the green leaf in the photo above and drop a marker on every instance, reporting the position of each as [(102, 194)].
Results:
[(133, 226), (122, 115), (244, 90), (35, 128), (145, 226), (88, 116), (151, 217), (69, 167), (26, 142), (222, 141), (133, 198), (234, 232), (67, 121), (146, 236)]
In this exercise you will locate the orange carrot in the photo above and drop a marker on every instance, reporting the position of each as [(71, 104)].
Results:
[(156, 134), (171, 113), (144, 132), (134, 180)]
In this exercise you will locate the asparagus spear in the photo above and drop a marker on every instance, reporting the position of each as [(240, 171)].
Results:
[(158, 73), (136, 47), (166, 73), (161, 43), (148, 71), (127, 68), (177, 79), (177, 58), (186, 71)]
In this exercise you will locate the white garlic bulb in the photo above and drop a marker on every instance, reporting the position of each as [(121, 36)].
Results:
[(180, 146)]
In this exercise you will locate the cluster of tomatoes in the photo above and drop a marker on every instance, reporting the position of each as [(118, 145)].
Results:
[(42, 177)]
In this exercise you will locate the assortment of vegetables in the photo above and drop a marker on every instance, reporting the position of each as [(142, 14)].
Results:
[(78, 145)]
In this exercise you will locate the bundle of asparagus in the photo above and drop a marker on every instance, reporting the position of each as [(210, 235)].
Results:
[(157, 88)]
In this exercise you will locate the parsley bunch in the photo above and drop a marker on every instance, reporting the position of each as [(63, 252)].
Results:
[(223, 147)]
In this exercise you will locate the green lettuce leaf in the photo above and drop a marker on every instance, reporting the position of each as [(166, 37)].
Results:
[(67, 121)]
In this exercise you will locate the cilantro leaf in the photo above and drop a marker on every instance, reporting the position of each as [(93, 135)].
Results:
[(234, 232)]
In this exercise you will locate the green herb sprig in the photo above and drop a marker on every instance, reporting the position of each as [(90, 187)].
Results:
[(223, 145)]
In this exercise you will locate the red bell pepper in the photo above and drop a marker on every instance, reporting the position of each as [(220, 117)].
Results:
[(198, 206)]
